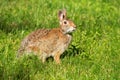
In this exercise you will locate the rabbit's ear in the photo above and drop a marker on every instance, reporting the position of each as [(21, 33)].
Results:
[(62, 15)]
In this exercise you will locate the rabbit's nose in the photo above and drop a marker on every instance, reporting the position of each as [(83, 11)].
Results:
[(75, 27)]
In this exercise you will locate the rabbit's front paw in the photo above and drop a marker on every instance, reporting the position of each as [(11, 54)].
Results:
[(57, 58)]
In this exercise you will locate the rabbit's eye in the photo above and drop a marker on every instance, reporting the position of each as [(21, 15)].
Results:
[(65, 22)]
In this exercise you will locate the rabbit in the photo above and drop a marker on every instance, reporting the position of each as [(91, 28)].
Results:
[(49, 42)]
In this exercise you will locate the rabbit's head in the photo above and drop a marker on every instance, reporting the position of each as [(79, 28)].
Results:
[(66, 25)]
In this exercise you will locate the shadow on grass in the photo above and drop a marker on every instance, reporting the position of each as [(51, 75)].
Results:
[(72, 51)]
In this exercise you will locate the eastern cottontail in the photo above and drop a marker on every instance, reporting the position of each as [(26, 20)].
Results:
[(45, 43)]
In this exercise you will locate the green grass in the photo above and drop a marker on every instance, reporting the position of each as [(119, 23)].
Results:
[(94, 53)]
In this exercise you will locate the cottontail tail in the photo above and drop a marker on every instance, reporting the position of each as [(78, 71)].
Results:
[(45, 43)]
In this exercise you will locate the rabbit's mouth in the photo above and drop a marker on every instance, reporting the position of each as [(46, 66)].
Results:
[(70, 30), (70, 33)]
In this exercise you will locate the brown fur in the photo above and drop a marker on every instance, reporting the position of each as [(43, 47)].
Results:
[(45, 42)]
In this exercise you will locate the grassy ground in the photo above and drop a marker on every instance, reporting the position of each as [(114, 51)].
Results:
[(94, 53)]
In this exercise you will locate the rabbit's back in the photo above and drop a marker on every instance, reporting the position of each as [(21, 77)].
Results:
[(38, 34)]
